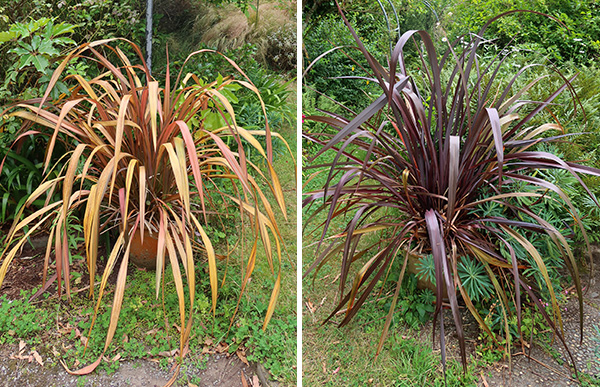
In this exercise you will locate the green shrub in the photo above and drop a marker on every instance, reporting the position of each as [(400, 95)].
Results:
[(20, 174), (579, 43), (32, 47), (97, 19), (330, 33)]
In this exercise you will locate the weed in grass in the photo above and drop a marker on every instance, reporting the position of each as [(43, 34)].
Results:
[(415, 306), (589, 380), (488, 354)]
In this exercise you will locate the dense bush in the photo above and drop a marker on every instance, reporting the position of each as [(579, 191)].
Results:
[(326, 35), (279, 48), (578, 42)]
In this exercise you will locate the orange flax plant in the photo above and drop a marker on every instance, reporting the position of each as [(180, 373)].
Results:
[(136, 163)]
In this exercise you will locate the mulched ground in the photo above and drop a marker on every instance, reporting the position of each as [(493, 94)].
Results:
[(25, 271)]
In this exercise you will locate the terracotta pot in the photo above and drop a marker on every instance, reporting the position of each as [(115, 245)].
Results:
[(143, 255)]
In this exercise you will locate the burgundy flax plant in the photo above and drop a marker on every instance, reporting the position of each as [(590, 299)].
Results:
[(141, 159), (413, 166)]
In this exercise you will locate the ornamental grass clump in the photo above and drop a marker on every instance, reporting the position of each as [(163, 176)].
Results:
[(143, 159), (414, 168)]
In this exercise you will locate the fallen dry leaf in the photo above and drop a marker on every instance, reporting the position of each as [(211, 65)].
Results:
[(84, 340), (38, 358), (336, 370), (310, 306), (244, 383), (192, 385), (208, 341), (116, 357), (22, 346), (168, 353), (222, 347), (65, 330), (242, 357), (485, 383), (255, 381), (324, 368)]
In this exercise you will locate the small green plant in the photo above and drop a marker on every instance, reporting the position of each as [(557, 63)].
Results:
[(19, 319), (489, 354), (415, 306), (475, 280), (426, 268)]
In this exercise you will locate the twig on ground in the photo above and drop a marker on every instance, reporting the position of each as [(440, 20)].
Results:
[(547, 366)]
